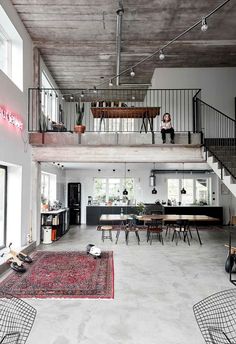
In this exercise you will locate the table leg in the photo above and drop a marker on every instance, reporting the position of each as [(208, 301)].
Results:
[(200, 241), (117, 235)]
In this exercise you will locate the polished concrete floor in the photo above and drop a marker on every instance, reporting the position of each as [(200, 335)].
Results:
[(155, 289)]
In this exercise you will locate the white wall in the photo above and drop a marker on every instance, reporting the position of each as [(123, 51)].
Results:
[(14, 149), (218, 84), (141, 178)]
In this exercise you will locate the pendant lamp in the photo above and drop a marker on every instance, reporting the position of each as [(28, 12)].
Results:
[(183, 191), (125, 192)]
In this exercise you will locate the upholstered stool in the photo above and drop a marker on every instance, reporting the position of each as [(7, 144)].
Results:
[(105, 235)]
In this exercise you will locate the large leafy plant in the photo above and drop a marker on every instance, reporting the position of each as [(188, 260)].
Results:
[(80, 113)]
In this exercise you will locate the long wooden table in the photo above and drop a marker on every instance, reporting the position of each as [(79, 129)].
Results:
[(146, 113), (173, 218)]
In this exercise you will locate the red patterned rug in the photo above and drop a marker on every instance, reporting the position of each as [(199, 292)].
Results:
[(63, 275)]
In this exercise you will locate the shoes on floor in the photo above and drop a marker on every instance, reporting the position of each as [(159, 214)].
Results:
[(172, 141)]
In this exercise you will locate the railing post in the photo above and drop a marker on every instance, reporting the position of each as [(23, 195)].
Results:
[(194, 114)]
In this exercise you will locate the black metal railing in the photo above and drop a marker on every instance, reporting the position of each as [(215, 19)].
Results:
[(218, 134), (55, 109)]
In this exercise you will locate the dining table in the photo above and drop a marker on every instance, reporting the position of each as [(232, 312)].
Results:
[(172, 218)]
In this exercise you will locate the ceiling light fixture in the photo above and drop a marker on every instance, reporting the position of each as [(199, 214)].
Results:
[(183, 191), (94, 89), (154, 191), (110, 83), (132, 73), (82, 94), (161, 55), (72, 97), (204, 26), (125, 192)]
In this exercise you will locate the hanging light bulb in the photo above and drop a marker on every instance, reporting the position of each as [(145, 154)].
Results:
[(152, 178), (132, 73), (204, 26), (94, 89), (72, 97), (110, 83), (183, 191), (82, 94), (62, 98), (161, 55)]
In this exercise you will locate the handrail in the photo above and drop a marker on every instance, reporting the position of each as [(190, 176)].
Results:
[(213, 108)]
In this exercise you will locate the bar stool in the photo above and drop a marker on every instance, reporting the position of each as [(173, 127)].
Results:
[(106, 235)]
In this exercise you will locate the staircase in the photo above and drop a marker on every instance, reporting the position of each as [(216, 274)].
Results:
[(219, 139)]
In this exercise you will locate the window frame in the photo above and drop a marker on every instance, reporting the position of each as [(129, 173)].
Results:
[(194, 179), (5, 209), (8, 58), (122, 185)]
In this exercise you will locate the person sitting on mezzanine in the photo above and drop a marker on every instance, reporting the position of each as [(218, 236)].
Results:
[(166, 127)]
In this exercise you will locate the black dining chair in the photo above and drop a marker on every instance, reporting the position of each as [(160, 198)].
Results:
[(216, 317), (181, 228), (154, 227)]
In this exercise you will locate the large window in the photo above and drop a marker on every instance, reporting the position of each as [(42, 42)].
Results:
[(197, 191), (11, 50), (3, 205), (5, 52), (48, 188), (111, 190)]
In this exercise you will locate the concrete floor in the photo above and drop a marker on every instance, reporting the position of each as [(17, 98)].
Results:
[(155, 289)]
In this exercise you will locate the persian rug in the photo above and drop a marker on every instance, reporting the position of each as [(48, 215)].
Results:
[(65, 274)]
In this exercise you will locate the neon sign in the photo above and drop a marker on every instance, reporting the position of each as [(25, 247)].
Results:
[(11, 118)]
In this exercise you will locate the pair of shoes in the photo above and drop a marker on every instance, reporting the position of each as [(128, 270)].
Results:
[(172, 141), (164, 141)]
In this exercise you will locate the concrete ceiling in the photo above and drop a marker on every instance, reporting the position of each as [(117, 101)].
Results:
[(77, 38), (120, 167)]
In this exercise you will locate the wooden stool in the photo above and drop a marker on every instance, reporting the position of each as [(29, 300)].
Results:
[(104, 229)]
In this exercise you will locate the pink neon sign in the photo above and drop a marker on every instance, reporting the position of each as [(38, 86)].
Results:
[(10, 118)]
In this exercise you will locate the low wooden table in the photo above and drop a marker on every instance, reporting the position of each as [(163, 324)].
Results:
[(173, 218), (145, 113)]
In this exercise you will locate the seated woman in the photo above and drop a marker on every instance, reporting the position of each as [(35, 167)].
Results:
[(166, 127)]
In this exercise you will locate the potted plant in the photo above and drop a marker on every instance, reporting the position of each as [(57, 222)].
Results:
[(140, 208), (79, 127)]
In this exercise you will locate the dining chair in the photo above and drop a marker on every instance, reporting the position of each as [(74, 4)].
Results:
[(181, 227), (154, 227), (216, 317), (132, 227), (16, 319)]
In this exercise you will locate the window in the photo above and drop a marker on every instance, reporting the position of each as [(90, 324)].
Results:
[(48, 188), (197, 191), (202, 191), (173, 189), (49, 100), (111, 189), (5, 52), (3, 205), (11, 50)]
